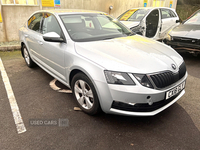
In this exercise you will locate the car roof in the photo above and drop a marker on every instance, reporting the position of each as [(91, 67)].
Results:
[(68, 11), (152, 8)]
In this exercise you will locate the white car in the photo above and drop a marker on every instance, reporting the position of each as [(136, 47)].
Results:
[(150, 22)]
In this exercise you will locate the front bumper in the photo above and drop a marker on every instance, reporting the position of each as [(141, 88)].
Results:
[(138, 100), (183, 46), (150, 113)]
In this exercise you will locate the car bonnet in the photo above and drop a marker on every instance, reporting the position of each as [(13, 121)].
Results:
[(134, 54), (187, 31), (130, 24)]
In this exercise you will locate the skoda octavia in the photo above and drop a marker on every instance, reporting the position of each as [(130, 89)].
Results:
[(108, 67)]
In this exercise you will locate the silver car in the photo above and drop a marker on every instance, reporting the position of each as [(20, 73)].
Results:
[(108, 67)]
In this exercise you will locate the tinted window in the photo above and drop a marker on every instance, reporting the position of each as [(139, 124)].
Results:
[(50, 24), (34, 23)]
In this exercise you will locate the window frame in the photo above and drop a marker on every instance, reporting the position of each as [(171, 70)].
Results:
[(14, 3), (173, 13), (41, 22)]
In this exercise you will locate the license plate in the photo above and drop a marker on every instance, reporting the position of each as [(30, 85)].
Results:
[(175, 90)]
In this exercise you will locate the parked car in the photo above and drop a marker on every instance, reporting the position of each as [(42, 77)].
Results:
[(107, 66), (186, 36), (150, 22)]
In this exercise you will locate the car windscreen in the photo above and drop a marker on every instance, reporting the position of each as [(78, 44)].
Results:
[(133, 15), (195, 19), (93, 27)]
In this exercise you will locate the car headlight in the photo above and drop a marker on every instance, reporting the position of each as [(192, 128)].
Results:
[(118, 78), (169, 38), (143, 79)]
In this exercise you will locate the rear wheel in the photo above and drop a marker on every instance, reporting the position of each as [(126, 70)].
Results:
[(85, 94), (27, 57)]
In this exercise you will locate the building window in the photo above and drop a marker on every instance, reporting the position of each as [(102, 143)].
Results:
[(20, 2)]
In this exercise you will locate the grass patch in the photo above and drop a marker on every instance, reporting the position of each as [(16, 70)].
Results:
[(185, 11), (10, 54)]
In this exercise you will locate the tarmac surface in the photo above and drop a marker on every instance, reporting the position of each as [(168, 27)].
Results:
[(177, 127)]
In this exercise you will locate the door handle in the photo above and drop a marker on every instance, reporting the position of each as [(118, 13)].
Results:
[(25, 35), (40, 42)]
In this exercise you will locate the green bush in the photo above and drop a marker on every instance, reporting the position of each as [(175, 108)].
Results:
[(185, 11), (188, 2)]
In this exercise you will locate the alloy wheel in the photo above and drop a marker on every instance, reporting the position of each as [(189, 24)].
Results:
[(84, 94)]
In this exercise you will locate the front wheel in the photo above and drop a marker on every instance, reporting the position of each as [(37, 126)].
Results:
[(85, 94)]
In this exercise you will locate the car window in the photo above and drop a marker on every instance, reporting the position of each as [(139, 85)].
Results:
[(172, 13), (93, 27), (34, 23), (133, 15), (195, 19), (50, 24), (105, 23), (166, 13)]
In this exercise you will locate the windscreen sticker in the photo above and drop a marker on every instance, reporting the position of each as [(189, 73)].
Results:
[(128, 14)]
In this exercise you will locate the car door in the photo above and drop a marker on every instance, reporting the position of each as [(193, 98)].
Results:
[(169, 20), (52, 53), (152, 24), (33, 35)]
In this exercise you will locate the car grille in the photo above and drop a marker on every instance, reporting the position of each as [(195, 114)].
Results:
[(139, 107), (186, 40), (162, 80)]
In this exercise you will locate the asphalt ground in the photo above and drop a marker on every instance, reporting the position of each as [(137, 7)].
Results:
[(176, 128)]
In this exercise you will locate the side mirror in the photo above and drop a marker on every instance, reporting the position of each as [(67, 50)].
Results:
[(52, 37)]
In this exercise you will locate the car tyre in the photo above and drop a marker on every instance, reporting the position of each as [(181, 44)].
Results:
[(85, 94), (27, 57)]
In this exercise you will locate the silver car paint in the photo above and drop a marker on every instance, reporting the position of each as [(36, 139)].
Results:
[(93, 58), (128, 54)]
